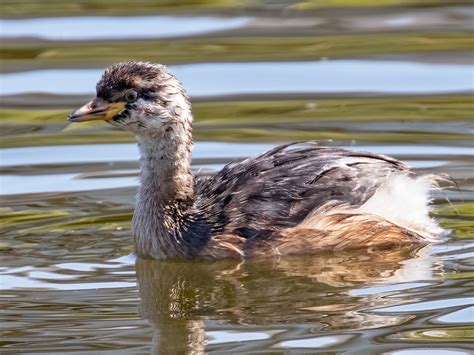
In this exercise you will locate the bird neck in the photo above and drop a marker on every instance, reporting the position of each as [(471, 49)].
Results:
[(166, 168), (165, 196)]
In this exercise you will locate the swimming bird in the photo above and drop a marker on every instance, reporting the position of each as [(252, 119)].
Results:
[(293, 199)]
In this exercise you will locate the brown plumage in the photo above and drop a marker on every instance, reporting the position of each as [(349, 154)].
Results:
[(293, 199)]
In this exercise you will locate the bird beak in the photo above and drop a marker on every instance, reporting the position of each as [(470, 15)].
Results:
[(97, 109)]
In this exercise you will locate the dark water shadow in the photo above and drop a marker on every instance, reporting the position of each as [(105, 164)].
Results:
[(180, 299)]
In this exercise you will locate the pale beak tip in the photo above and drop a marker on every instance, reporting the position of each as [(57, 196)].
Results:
[(72, 117)]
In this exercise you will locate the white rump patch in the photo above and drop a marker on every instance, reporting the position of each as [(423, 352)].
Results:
[(404, 201)]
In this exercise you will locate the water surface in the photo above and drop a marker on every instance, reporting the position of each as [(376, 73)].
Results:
[(330, 77), (395, 81), (98, 27)]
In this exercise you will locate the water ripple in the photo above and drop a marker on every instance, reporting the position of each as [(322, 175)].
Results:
[(334, 76), (85, 28)]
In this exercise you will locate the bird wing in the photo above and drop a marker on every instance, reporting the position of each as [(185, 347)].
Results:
[(279, 188)]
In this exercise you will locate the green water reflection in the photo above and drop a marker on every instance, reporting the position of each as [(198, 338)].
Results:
[(69, 282)]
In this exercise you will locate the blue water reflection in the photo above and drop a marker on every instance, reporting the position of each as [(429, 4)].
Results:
[(99, 27), (338, 76)]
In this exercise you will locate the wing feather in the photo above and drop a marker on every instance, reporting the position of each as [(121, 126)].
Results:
[(279, 188)]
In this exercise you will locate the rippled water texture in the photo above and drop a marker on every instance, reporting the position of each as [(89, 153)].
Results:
[(391, 76)]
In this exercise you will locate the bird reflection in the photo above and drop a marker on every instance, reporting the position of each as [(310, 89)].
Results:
[(178, 297)]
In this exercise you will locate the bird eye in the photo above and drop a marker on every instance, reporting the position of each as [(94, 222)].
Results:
[(131, 96)]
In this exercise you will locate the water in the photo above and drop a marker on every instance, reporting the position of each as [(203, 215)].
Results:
[(85, 28), (393, 81), (338, 76)]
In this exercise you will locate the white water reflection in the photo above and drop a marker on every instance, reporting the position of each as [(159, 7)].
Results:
[(335, 76), (401, 21), (389, 288), (465, 315), (10, 282), (15, 185), (427, 351), (44, 181), (110, 153), (115, 152), (221, 337), (316, 342), (101, 27), (427, 306)]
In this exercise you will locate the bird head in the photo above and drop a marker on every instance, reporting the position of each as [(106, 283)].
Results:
[(140, 97)]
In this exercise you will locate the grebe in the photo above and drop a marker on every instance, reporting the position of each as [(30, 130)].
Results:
[(292, 199)]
